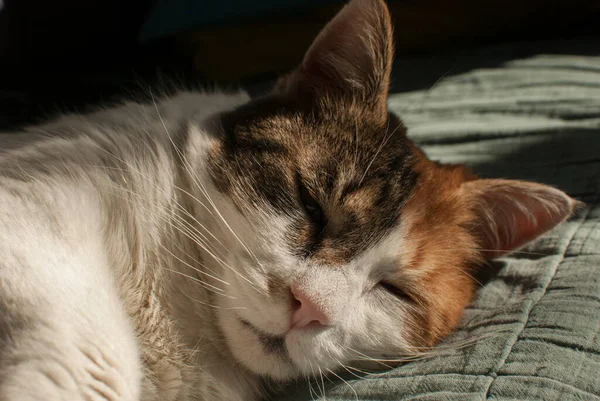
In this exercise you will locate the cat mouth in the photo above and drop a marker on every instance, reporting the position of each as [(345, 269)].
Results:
[(272, 344)]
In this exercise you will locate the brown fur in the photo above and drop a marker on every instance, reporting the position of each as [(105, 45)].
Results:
[(327, 126), (453, 229)]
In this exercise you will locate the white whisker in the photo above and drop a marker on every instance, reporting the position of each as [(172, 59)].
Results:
[(348, 384), (201, 187), (210, 305), (383, 142), (190, 237)]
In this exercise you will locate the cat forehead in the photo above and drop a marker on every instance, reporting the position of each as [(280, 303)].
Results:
[(291, 121), (339, 140)]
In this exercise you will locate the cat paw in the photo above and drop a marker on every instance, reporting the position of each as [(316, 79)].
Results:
[(91, 377)]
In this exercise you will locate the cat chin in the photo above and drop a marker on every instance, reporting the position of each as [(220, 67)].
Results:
[(279, 357), (256, 350)]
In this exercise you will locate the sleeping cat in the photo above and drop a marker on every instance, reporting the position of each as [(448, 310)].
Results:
[(208, 247)]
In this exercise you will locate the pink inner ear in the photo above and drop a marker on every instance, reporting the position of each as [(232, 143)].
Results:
[(513, 213)]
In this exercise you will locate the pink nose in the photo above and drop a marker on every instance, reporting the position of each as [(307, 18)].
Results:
[(306, 312)]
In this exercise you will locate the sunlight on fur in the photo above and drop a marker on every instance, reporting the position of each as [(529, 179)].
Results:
[(206, 246)]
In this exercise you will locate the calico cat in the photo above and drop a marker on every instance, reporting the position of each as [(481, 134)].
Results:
[(207, 246)]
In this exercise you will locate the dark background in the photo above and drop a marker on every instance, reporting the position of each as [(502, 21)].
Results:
[(65, 54)]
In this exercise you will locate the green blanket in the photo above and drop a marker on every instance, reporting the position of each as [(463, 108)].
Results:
[(533, 331)]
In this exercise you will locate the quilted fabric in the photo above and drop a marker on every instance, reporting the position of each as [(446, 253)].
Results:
[(533, 331)]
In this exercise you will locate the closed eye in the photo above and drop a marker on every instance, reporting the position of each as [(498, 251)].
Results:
[(312, 207), (395, 290)]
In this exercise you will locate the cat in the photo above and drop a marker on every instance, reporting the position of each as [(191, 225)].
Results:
[(206, 246)]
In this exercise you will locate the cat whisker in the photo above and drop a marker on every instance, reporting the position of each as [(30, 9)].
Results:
[(190, 235), (180, 207), (494, 250), (311, 391), (196, 220), (322, 382), (351, 370), (201, 283), (200, 186), (186, 228), (348, 384), (198, 241), (187, 233), (428, 352), (308, 379), (205, 193), (339, 377), (321, 389), (383, 142), (367, 375), (196, 281), (199, 238), (458, 345), (201, 245), (427, 92), (368, 358), (195, 349), (418, 104), (193, 233), (466, 273), (210, 305), (346, 368), (208, 286), (391, 360)]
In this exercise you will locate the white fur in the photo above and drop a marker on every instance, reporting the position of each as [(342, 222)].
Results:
[(124, 274), (364, 317)]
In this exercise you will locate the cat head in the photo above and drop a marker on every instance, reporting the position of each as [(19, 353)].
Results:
[(335, 238)]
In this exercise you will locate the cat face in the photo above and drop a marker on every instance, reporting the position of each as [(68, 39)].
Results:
[(339, 240)]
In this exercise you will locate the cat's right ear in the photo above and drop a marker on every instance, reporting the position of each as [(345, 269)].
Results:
[(512, 213), (350, 60)]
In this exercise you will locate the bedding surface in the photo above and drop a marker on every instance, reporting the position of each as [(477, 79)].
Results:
[(533, 331)]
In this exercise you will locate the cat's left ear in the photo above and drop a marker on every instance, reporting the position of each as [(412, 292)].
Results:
[(351, 59), (512, 213)]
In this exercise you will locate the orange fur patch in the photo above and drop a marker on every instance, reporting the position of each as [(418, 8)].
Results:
[(441, 251)]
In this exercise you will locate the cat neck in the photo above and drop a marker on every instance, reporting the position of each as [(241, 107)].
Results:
[(165, 285), (191, 285)]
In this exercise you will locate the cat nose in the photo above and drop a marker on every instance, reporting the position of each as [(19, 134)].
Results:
[(305, 312)]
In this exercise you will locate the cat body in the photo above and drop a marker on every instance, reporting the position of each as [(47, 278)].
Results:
[(95, 201), (207, 246)]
